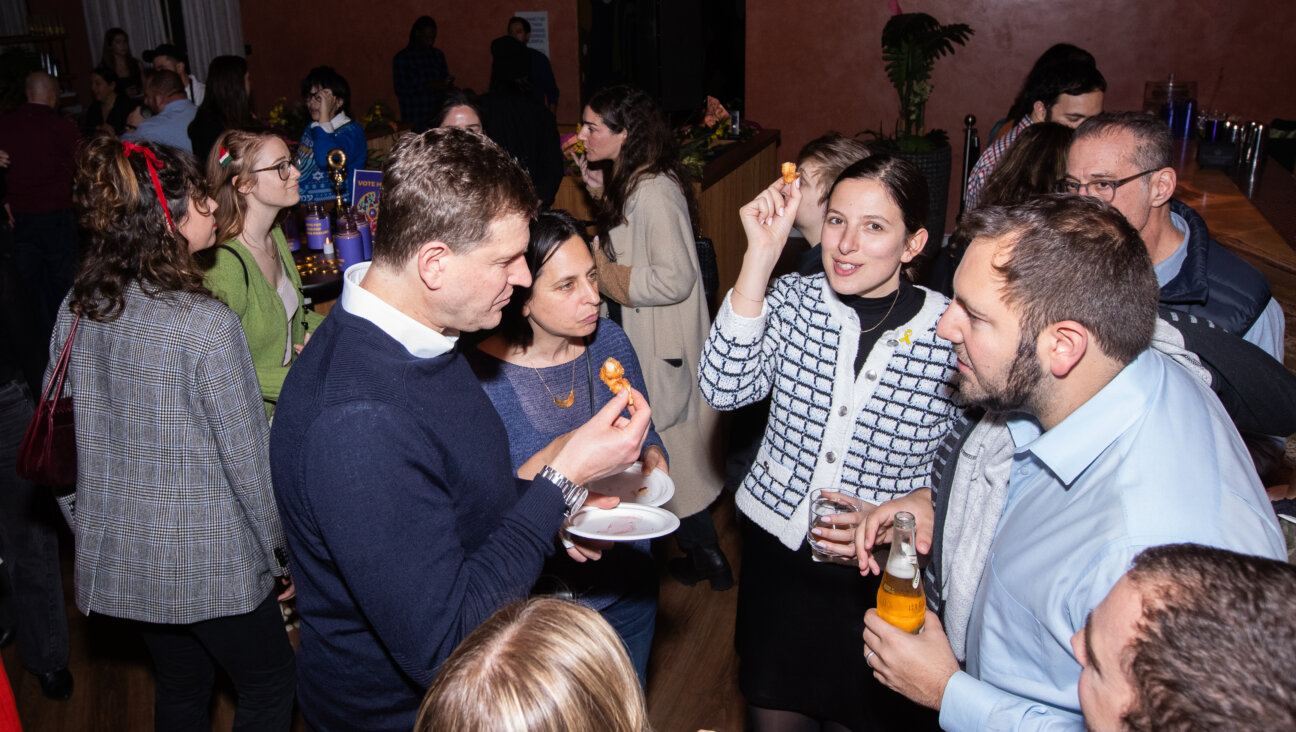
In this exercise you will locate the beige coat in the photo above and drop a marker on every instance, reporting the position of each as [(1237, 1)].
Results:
[(667, 323)]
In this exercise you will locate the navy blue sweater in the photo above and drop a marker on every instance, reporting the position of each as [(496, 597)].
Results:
[(406, 525)]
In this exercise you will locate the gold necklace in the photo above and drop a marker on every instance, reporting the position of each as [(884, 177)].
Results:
[(568, 400), (888, 313)]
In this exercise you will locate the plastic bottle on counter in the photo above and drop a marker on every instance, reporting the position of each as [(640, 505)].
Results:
[(350, 247), (317, 227)]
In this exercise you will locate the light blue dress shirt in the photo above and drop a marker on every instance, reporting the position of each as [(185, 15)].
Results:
[(168, 127), (1150, 459), (1266, 332)]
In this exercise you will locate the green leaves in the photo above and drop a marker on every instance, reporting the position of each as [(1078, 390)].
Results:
[(911, 44)]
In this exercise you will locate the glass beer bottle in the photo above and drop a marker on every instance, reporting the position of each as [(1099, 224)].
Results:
[(900, 599)]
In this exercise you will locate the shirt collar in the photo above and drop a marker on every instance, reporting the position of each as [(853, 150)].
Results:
[(420, 340), (1169, 269), (334, 124), (1083, 435)]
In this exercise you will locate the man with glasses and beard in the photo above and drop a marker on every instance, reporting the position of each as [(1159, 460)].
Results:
[(1094, 445)]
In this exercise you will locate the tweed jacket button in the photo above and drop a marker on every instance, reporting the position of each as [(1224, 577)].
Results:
[(831, 457), (841, 411), (871, 375), (892, 343)]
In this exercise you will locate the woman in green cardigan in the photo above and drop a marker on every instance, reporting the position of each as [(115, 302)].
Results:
[(252, 178)]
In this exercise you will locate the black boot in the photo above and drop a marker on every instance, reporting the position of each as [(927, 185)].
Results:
[(703, 563)]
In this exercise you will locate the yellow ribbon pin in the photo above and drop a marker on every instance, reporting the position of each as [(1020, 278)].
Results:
[(905, 339)]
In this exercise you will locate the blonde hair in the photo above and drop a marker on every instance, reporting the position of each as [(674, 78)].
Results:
[(230, 202), (539, 665)]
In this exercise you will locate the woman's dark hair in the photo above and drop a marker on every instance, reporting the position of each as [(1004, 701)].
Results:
[(106, 58), (107, 74), (902, 181), (126, 237), (456, 98), (649, 149), (549, 231), (1034, 162), (326, 78), (227, 98)]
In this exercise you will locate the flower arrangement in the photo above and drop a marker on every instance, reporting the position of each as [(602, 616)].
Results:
[(291, 122), (379, 118)]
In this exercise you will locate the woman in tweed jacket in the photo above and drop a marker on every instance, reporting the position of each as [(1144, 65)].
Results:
[(173, 516), (860, 400)]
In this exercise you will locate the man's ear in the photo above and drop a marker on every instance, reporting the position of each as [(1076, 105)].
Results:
[(1161, 185), (1062, 345), (1038, 113), (430, 260)]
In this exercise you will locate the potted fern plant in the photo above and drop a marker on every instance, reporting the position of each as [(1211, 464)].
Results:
[(911, 45)]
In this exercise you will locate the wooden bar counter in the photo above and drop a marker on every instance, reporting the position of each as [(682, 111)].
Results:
[(1232, 217), (729, 181)]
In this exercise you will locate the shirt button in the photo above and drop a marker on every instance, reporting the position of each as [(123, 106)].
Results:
[(841, 411), (831, 457), (892, 343), (871, 375)]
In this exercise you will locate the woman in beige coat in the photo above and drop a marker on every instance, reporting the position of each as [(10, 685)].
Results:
[(648, 270)]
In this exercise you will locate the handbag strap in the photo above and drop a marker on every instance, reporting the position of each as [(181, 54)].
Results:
[(56, 380)]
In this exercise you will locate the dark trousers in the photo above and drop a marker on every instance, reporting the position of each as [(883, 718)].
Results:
[(31, 587), (252, 649), (45, 251)]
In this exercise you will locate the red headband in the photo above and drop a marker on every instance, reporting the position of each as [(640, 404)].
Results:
[(153, 166)]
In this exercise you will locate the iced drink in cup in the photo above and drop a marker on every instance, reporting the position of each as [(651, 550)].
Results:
[(825, 503)]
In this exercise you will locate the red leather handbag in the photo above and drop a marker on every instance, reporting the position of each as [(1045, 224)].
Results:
[(48, 452)]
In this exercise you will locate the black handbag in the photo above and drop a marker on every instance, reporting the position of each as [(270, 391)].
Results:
[(48, 453)]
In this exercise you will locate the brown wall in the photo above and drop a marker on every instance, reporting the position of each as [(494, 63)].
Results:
[(809, 72), (359, 40)]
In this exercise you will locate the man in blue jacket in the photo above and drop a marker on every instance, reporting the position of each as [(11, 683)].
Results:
[(406, 524)]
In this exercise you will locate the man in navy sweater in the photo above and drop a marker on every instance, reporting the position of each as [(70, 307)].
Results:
[(405, 523)]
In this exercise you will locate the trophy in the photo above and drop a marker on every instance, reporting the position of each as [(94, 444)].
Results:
[(337, 171)]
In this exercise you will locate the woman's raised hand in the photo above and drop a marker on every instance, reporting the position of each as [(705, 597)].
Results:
[(593, 177), (767, 220)]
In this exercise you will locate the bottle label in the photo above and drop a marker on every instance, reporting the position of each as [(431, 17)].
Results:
[(905, 613)]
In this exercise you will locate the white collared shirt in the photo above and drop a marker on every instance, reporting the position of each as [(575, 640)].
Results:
[(334, 124), (420, 340)]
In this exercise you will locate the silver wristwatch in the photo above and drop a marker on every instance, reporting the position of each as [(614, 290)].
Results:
[(574, 495)]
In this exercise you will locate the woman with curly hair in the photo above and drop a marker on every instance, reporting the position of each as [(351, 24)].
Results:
[(648, 268), (174, 519), (253, 179)]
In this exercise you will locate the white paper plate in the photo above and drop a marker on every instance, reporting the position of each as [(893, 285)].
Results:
[(626, 522), (633, 486)]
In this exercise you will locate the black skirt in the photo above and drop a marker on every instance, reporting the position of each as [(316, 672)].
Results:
[(800, 642)]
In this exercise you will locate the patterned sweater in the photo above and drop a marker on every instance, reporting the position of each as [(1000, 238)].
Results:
[(871, 435)]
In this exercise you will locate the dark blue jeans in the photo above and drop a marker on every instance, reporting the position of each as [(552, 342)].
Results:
[(33, 600)]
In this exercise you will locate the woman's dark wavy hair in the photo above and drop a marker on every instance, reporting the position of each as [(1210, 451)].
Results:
[(649, 149), (227, 98), (1033, 164), (106, 58), (107, 74), (125, 235), (549, 231)]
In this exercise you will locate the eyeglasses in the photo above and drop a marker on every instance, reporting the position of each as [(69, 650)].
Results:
[(283, 168), (1104, 189)]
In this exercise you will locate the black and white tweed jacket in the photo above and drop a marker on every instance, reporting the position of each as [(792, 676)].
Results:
[(873, 436)]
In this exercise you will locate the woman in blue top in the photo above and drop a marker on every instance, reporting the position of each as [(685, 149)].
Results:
[(540, 369), (328, 99)]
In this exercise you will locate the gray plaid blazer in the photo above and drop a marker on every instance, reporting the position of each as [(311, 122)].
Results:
[(174, 516)]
